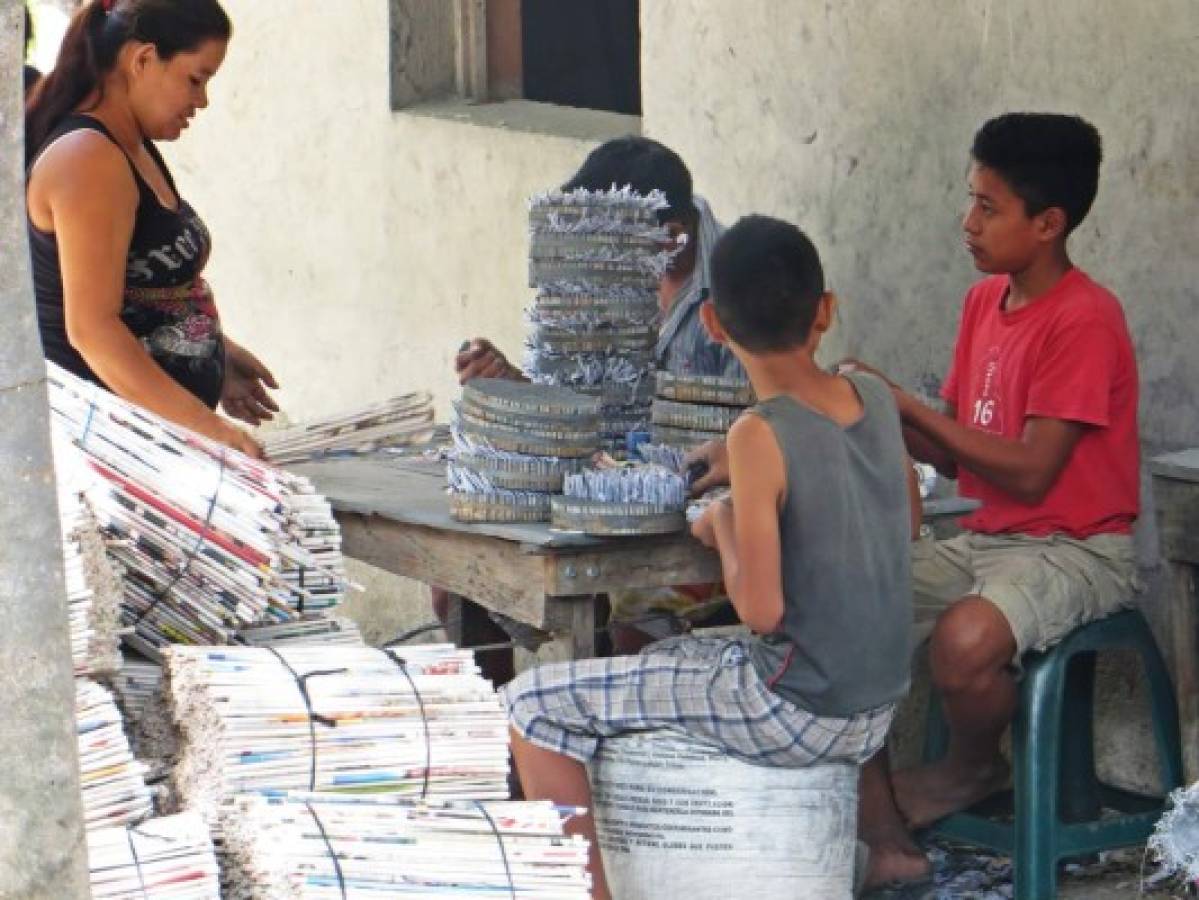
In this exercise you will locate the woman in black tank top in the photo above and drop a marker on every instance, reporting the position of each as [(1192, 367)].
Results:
[(118, 255)]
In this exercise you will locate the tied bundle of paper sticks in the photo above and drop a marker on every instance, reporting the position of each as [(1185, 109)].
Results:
[(396, 422), (314, 846), (164, 859), (209, 540), (422, 722), (308, 630), (113, 783)]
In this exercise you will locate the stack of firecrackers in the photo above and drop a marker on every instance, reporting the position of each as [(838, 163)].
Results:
[(690, 410), (515, 442), (595, 259)]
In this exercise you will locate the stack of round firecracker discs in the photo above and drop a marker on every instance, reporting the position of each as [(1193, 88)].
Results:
[(595, 258), (516, 442), (622, 500), (692, 409)]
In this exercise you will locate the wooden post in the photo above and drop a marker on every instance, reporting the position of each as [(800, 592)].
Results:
[(42, 849), (1176, 495), (470, 25)]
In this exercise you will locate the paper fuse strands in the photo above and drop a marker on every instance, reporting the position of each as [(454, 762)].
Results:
[(422, 722), (309, 846), (623, 500), (514, 443), (113, 782), (94, 590), (163, 859), (690, 410), (208, 540), (397, 422), (596, 258), (597, 236), (93, 583)]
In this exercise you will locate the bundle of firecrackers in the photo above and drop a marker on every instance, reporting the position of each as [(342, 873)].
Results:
[(595, 260)]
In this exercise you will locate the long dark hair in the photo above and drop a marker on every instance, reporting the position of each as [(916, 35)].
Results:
[(93, 41)]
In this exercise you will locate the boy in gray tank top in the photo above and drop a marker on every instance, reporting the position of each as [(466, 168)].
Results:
[(814, 547)]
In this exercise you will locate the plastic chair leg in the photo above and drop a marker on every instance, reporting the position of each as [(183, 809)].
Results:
[(1034, 733), (1079, 799)]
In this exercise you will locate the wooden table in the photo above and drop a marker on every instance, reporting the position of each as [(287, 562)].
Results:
[(394, 515), (1176, 494)]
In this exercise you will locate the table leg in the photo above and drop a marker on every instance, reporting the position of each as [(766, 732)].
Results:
[(578, 624), (1185, 635), (468, 625)]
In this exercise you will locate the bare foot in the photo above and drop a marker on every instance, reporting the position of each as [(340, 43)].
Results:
[(900, 862), (929, 793)]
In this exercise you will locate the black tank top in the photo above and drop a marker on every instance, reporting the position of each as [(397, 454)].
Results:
[(166, 304)]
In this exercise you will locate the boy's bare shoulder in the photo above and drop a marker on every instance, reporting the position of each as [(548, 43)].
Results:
[(750, 426)]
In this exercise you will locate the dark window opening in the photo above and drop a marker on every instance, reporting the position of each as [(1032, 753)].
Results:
[(584, 53)]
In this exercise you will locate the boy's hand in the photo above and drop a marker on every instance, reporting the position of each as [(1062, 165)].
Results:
[(715, 456), (480, 359), (849, 364), (704, 529)]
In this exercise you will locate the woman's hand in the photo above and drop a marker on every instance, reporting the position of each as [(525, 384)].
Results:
[(235, 438), (244, 395)]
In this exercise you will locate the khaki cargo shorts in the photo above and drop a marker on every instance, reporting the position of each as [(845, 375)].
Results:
[(1044, 586)]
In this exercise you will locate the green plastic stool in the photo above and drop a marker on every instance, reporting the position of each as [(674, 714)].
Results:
[(1055, 806)]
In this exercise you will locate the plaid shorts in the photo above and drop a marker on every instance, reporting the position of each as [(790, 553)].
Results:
[(702, 687)]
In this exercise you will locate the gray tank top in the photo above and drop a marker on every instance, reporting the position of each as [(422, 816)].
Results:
[(843, 646)]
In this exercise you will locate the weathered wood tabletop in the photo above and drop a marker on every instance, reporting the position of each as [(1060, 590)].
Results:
[(394, 514), (1176, 496)]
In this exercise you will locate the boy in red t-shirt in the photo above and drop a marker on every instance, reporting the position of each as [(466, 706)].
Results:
[(1041, 427)]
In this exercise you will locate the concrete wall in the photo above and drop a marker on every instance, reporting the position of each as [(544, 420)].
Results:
[(854, 119), (356, 247)]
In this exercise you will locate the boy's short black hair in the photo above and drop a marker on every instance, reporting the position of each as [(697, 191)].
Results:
[(643, 164), (1046, 159), (766, 283)]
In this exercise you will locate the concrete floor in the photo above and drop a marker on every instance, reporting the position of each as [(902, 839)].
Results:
[(965, 875)]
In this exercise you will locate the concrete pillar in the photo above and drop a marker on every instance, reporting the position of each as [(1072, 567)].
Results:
[(42, 850)]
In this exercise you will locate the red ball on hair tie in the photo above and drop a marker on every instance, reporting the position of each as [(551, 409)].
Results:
[(108, 5)]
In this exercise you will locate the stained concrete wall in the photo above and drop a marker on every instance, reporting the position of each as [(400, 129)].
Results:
[(356, 247), (854, 119)]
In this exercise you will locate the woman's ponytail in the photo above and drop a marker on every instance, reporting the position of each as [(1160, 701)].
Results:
[(78, 72), (94, 39)]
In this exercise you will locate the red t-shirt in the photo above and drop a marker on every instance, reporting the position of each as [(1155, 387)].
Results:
[(1066, 355)]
